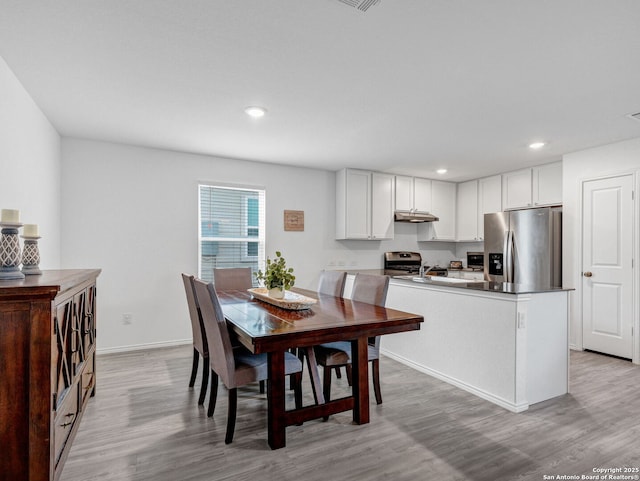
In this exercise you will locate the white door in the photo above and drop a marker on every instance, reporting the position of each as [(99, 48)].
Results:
[(607, 282)]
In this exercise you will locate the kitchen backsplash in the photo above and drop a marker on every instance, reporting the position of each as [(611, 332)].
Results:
[(369, 255)]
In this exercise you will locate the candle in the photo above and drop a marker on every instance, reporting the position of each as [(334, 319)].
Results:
[(30, 230), (10, 216)]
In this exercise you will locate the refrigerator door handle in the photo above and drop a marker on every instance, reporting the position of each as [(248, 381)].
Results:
[(508, 256)]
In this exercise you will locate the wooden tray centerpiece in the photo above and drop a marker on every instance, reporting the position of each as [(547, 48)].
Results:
[(291, 300)]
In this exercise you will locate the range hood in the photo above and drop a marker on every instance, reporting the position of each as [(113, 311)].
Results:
[(404, 216)]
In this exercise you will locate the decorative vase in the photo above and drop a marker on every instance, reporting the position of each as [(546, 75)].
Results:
[(276, 293), (31, 256), (10, 252)]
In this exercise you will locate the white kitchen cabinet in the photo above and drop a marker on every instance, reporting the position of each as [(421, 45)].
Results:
[(443, 204), (413, 194), (489, 199), (475, 199), (382, 204), (364, 205), (547, 184), (516, 189), (467, 211), (422, 196), (537, 186), (404, 193)]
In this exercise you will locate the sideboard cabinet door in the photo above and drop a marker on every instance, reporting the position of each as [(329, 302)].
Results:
[(47, 368)]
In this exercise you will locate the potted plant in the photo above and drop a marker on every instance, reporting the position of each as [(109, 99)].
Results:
[(276, 277)]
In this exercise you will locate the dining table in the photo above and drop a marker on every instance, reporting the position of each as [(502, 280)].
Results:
[(263, 327)]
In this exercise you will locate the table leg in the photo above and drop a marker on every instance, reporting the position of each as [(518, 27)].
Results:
[(276, 401), (360, 387), (312, 364)]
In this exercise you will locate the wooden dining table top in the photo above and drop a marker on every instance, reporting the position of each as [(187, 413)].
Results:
[(262, 327)]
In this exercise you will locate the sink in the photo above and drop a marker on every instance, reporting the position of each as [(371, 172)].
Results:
[(444, 280)]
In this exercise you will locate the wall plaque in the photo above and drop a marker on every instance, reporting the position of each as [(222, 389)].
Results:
[(294, 220)]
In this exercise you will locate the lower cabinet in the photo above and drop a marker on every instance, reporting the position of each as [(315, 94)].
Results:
[(47, 368)]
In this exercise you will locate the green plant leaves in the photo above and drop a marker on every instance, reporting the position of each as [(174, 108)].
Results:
[(276, 273)]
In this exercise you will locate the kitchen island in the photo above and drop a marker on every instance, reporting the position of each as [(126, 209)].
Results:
[(506, 343)]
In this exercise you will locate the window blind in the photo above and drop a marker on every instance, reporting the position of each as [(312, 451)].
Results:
[(231, 228)]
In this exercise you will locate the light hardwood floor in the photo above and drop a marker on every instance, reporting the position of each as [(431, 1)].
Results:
[(144, 424)]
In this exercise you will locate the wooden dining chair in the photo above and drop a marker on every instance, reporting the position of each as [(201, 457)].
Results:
[(371, 289), (235, 366), (232, 278), (200, 347)]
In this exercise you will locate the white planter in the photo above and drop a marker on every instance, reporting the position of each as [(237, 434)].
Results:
[(276, 293)]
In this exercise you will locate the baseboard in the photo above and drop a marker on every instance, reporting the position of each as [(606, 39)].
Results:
[(140, 347), (503, 403)]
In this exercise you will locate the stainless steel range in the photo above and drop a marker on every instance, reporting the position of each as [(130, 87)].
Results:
[(402, 264)]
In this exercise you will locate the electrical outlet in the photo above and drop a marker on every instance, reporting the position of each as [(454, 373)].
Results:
[(127, 318)]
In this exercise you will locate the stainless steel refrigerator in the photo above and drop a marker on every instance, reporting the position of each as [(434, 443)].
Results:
[(524, 247)]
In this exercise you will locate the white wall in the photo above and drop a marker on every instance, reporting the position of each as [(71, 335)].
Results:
[(132, 211), (29, 165), (613, 159)]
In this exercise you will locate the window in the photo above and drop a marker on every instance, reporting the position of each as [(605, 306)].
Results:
[(231, 228)]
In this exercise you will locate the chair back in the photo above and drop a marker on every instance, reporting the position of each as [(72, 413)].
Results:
[(370, 289), (332, 283), (197, 327), (215, 326), (232, 278)]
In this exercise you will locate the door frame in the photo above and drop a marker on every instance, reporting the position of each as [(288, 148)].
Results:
[(635, 229)]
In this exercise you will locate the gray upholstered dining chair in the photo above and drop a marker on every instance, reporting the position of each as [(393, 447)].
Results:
[(332, 283), (200, 347), (235, 366), (232, 278), (371, 289)]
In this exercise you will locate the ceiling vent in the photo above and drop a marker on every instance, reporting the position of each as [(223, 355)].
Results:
[(634, 116), (362, 5)]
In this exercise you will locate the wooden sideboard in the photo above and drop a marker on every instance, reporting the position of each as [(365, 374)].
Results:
[(47, 369)]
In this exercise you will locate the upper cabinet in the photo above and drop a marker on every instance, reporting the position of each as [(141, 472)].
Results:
[(422, 195), (443, 205), (364, 205), (516, 189), (547, 184), (489, 199), (382, 204), (467, 211), (475, 199), (366, 201), (413, 194), (537, 186)]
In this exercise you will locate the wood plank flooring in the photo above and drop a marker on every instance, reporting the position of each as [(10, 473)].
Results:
[(145, 424)]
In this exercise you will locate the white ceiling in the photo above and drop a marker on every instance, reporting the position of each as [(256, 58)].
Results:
[(407, 87)]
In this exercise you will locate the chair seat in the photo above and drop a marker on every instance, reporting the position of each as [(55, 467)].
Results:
[(254, 367), (338, 353)]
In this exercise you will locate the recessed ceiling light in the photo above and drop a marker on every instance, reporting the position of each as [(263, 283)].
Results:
[(255, 112), (441, 171), (536, 145)]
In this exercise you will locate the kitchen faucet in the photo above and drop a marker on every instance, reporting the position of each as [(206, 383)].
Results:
[(422, 272)]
